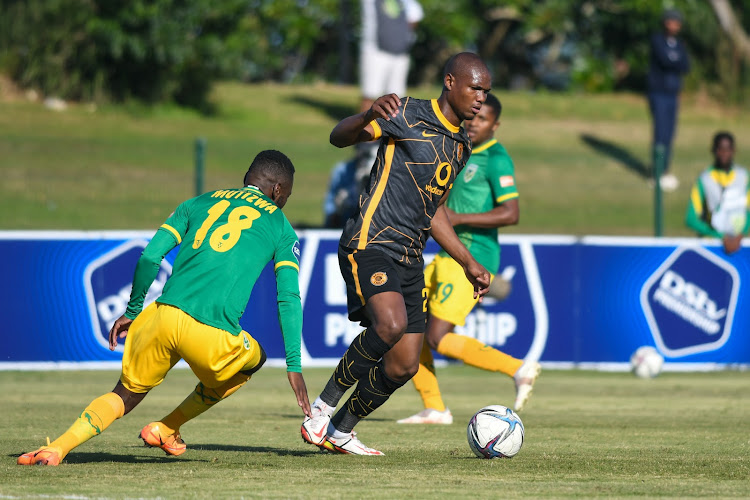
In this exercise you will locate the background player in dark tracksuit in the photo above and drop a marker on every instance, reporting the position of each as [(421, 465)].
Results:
[(422, 150), (668, 62)]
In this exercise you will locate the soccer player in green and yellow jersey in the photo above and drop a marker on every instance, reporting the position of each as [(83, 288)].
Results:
[(226, 238), (484, 197)]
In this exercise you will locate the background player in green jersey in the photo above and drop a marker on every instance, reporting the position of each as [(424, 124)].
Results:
[(227, 237), (719, 205), (484, 198)]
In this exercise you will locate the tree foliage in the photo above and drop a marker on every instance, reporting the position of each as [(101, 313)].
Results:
[(172, 50)]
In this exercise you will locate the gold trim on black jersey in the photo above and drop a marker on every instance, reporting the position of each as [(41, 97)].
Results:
[(442, 118), (367, 219)]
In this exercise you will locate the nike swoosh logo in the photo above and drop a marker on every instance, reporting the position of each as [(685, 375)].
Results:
[(319, 434), (425, 134)]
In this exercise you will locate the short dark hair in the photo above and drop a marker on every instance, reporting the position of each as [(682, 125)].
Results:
[(495, 104), (274, 163), (720, 136)]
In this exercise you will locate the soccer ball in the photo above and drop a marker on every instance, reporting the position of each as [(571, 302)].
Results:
[(495, 432), (646, 362)]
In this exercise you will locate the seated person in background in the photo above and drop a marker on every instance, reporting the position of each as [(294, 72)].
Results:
[(718, 205)]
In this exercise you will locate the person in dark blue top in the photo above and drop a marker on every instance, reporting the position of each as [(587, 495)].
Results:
[(668, 63)]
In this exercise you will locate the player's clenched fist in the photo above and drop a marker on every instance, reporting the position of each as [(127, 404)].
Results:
[(479, 277)]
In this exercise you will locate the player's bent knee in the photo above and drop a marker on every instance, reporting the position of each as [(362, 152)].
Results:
[(391, 329)]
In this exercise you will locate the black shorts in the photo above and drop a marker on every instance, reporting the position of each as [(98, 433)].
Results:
[(369, 272)]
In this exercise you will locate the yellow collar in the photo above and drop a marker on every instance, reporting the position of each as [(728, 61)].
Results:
[(484, 146), (442, 118)]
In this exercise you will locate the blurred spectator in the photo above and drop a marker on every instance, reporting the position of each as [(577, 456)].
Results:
[(348, 179), (387, 36), (668, 62), (718, 205)]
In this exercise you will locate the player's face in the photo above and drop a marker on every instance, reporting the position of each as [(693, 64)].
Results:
[(468, 91), (724, 153), (482, 127)]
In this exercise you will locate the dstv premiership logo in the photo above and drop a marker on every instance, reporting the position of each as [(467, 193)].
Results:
[(108, 281), (689, 302)]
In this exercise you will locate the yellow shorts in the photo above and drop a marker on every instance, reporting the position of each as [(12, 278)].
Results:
[(450, 294), (162, 335)]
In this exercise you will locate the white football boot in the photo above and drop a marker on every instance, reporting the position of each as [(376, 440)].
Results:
[(429, 416), (314, 428), (525, 378), (349, 444)]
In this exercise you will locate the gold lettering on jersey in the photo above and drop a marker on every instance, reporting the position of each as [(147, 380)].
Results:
[(434, 190), (249, 197), (443, 173)]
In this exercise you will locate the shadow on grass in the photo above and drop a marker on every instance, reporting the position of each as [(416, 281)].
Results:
[(332, 110), (88, 458), (617, 153), (282, 452)]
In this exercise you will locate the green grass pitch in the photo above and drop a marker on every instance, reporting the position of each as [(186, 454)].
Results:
[(588, 434)]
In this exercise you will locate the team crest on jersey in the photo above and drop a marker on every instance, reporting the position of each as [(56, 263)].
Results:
[(469, 172), (379, 278), (460, 151)]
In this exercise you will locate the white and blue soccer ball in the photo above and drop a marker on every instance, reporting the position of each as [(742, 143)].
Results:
[(495, 432), (646, 362)]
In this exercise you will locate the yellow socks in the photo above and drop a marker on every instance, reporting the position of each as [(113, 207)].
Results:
[(474, 353), (200, 400), (97, 416), (426, 382)]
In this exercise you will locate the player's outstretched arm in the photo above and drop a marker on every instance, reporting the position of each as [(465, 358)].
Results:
[(300, 390), (357, 128), (503, 215), (446, 237)]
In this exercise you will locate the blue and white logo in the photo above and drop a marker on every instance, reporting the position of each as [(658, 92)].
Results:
[(108, 281), (689, 302)]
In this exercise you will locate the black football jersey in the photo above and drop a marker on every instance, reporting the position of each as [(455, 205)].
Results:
[(419, 156)]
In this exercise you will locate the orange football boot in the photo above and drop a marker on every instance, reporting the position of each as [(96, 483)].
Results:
[(41, 456), (152, 437)]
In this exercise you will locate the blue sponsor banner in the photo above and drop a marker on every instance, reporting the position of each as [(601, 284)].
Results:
[(574, 302)]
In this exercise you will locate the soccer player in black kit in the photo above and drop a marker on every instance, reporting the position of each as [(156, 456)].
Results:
[(422, 149)]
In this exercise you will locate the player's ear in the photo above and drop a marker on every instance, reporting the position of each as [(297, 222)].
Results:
[(448, 81)]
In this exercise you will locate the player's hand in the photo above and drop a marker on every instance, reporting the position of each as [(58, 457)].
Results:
[(479, 277), (300, 390), (731, 243), (385, 107), (118, 330)]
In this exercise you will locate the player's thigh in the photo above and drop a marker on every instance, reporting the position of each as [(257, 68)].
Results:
[(451, 296), (216, 355), (370, 277), (150, 348)]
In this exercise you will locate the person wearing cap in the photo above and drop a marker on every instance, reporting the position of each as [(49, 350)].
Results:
[(667, 64)]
